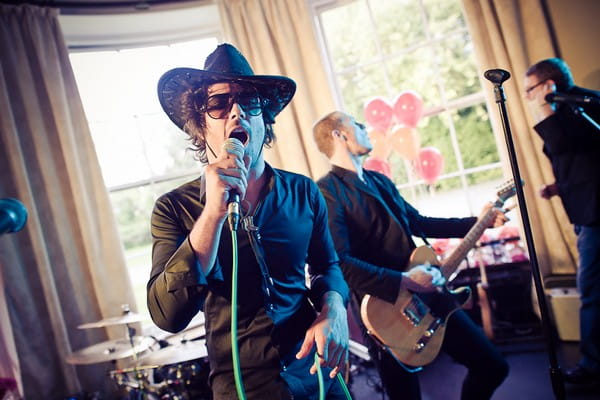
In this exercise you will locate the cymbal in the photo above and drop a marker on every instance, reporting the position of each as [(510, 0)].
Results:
[(128, 318), (109, 350), (175, 354)]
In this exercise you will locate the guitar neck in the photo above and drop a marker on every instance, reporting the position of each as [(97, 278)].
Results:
[(450, 263)]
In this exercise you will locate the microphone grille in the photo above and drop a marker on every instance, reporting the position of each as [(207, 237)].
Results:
[(233, 145)]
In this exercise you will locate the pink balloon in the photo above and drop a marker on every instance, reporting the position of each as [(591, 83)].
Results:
[(429, 164), (378, 114), (378, 165), (408, 108), (380, 142), (405, 141)]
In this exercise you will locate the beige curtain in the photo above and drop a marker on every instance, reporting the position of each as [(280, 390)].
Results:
[(66, 267), (512, 35), (277, 37)]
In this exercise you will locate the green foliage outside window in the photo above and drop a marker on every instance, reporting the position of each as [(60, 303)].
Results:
[(381, 48)]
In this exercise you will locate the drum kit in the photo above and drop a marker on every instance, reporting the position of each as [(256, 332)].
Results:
[(171, 369)]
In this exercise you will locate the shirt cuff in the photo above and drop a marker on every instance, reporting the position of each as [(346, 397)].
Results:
[(183, 269)]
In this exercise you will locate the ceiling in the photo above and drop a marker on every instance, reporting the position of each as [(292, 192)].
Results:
[(68, 7), (119, 24)]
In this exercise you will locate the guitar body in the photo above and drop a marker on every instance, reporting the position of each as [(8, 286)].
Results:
[(413, 328)]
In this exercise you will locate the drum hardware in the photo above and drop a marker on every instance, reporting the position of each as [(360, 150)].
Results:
[(169, 373)]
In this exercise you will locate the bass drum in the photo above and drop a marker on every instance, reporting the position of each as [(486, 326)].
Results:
[(135, 384), (183, 381), (182, 370)]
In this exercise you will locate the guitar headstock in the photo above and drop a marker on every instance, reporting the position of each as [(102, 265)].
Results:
[(505, 192)]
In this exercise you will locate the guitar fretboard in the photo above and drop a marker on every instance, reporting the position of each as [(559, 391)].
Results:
[(450, 263)]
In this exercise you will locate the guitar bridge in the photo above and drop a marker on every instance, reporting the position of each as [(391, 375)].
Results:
[(415, 310), (427, 335)]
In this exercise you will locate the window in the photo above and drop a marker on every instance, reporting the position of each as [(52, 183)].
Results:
[(384, 48), (141, 152)]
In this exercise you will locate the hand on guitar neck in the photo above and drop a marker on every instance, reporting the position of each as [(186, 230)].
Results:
[(423, 278), (499, 217)]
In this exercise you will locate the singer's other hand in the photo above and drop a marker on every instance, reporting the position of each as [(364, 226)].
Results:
[(329, 333), (227, 173)]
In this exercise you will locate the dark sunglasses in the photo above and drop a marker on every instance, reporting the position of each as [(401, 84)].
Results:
[(219, 105)]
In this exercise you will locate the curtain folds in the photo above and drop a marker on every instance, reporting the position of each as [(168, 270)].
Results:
[(512, 35), (66, 267), (277, 37)]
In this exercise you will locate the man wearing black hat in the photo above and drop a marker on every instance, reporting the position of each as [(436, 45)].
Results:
[(229, 110)]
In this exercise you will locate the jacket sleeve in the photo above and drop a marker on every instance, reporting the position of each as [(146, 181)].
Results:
[(177, 287), (323, 262), (434, 227)]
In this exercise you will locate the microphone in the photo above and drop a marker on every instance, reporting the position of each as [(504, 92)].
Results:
[(496, 76), (13, 215), (571, 98), (235, 146)]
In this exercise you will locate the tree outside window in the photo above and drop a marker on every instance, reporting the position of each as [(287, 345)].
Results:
[(383, 48)]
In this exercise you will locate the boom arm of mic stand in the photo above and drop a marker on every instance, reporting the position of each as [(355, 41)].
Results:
[(578, 110), (497, 76)]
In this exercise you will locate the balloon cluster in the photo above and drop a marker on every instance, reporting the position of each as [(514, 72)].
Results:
[(393, 127)]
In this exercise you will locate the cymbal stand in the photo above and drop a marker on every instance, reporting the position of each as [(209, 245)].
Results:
[(138, 373), (497, 77)]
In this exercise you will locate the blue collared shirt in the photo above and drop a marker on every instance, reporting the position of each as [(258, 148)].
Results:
[(292, 223)]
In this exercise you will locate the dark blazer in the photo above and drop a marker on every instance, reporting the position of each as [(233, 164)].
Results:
[(573, 146), (372, 225)]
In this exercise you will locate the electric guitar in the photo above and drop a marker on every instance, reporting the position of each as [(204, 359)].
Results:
[(412, 329)]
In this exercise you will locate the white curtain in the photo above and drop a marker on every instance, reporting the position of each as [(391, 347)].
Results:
[(512, 35), (66, 267)]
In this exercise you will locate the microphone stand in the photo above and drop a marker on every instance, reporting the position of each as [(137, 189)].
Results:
[(577, 110), (497, 76)]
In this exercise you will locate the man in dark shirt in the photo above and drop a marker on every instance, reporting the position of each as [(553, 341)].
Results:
[(572, 144), (372, 228), (283, 228)]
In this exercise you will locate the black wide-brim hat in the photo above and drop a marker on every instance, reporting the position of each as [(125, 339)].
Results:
[(225, 64)]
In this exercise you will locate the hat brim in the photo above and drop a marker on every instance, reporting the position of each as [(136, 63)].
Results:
[(278, 90)]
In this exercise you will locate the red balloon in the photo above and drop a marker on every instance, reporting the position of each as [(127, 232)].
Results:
[(429, 164), (378, 114), (378, 165), (408, 108)]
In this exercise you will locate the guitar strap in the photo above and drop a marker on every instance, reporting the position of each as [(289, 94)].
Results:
[(259, 254)]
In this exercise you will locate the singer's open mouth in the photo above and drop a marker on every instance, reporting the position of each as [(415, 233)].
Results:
[(239, 134)]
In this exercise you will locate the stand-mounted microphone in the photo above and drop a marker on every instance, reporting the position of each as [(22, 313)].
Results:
[(235, 146), (571, 98), (496, 76)]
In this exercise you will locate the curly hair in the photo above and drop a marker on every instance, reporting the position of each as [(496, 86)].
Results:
[(192, 101), (555, 69)]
